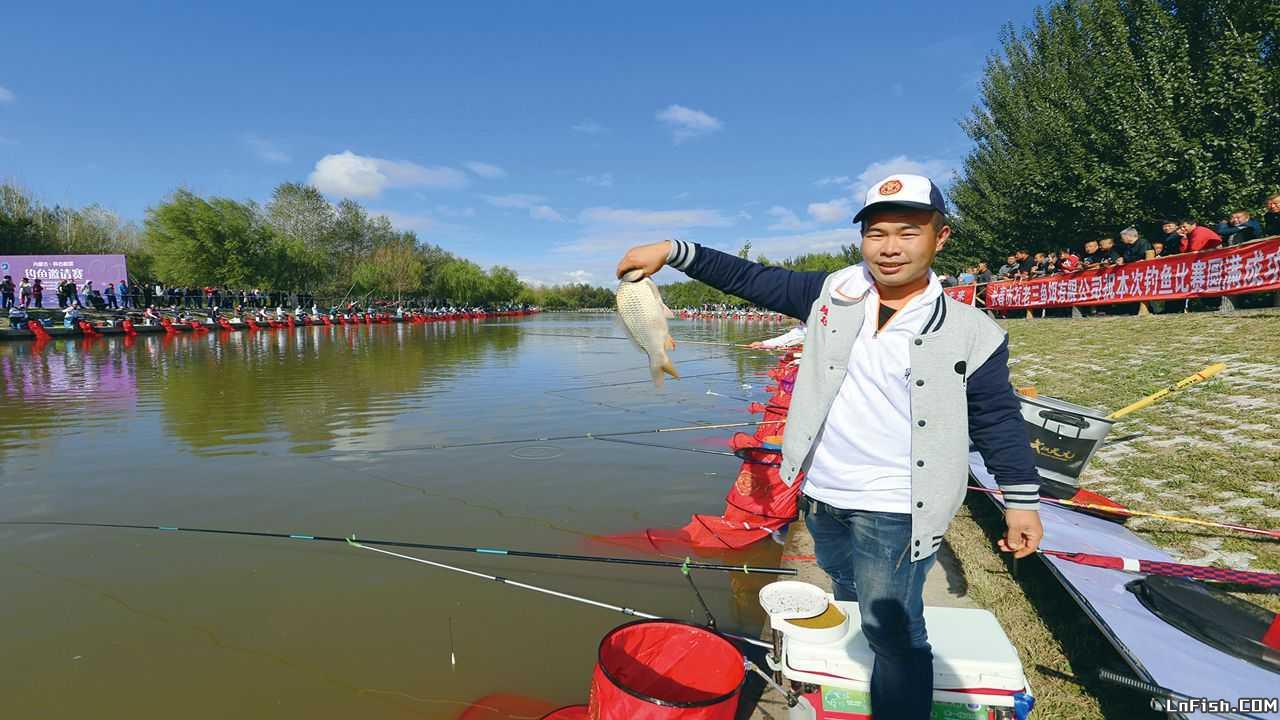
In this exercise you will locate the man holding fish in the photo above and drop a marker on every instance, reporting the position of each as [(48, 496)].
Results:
[(897, 380)]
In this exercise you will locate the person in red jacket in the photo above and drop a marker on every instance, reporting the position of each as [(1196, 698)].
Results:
[(1068, 262), (1197, 237)]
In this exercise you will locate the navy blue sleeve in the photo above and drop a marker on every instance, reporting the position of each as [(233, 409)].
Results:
[(996, 428), (789, 292)]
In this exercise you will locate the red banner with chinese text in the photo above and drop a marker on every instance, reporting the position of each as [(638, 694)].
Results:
[(1249, 268), (964, 293)]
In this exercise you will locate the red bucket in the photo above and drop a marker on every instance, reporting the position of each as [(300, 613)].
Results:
[(664, 670)]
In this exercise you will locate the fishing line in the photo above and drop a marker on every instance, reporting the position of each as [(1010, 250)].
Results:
[(641, 382), (554, 438), (664, 447), (624, 408), (423, 546), (727, 397), (683, 361), (623, 337), (359, 544)]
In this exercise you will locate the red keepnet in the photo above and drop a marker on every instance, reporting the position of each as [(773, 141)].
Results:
[(665, 670)]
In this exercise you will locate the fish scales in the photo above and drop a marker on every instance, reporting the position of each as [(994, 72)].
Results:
[(645, 316)]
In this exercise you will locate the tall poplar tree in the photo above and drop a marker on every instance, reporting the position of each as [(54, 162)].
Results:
[(1105, 113)]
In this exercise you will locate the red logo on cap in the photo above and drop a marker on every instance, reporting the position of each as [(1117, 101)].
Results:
[(890, 187)]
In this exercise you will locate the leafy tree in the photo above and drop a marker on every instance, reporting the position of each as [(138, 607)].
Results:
[(1106, 113), (352, 240), (394, 266), (303, 224), (460, 282), (504, 284), (206, 242), (433, 258), (27, 227)]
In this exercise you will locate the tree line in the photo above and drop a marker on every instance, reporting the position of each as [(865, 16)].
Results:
[(296, 242), (1101, 114)]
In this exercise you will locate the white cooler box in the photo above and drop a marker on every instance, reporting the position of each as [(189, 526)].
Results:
[(976, 671)]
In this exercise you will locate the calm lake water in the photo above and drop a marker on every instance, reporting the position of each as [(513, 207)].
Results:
[(295, 432)]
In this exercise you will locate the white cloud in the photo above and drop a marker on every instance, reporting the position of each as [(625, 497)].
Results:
[(485, 170), (579, 276), (6, 95), (681, 196), (940, 171), (515, 200), (785, 219), (605, 244), (533, 203), (545, 212), (351, 175), (589, 127), (450, 211), (266, 150), (406, 221), (831, 211), (687, 123), (603, 180), (698, 217), (833, 180)]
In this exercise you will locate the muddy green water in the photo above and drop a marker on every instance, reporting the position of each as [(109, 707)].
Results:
[(288, 431)]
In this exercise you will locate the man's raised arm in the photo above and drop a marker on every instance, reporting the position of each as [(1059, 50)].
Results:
[(789, 292)]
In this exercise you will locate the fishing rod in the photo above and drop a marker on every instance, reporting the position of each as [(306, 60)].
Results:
[(1114, 510), (746, 569), (623, 337), (560, 438), (360, 544), (1163, 694), (664, 447), (1255, 578), (1188, 381)]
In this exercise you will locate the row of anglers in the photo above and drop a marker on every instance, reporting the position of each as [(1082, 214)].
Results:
[(731, 313), (73, 316)]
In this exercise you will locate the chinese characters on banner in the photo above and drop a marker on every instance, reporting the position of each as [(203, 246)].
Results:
[(964, 293), (1253, 267), (52, 269)]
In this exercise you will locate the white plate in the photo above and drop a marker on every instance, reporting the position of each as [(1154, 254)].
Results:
[(791, 599)]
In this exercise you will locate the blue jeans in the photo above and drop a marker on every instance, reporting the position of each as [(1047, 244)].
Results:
[(868, 556)]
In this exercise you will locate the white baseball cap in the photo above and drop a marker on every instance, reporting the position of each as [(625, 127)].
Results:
[(915, 191)]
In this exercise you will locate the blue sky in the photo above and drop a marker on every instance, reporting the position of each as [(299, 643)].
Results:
[(545, 136)]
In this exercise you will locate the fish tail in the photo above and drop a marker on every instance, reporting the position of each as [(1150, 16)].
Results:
[(655, 372), (668, 367)]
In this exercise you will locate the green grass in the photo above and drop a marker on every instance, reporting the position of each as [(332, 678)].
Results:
[(1210, 451)]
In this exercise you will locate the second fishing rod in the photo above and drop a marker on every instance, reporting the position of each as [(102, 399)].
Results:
[(686, 564)]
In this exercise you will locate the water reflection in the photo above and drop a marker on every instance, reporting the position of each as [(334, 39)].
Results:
[(315, 388), (268, 431)]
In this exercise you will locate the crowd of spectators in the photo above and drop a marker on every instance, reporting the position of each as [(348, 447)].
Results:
[(1177, 236), (125, 295)]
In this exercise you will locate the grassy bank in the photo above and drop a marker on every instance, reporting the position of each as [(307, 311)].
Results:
[(1209, 452)]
